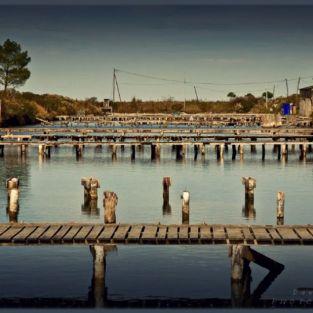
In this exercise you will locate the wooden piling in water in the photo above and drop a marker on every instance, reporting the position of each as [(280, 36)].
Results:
[(110, 202), (185, 207), (196, 151), (91, 186), (166, 195), (179, 152), (23, 149), (250, 185), (1, 151), (12, 185), (280, 210)]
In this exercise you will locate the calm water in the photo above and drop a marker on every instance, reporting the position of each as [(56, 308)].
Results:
[(51, 191)]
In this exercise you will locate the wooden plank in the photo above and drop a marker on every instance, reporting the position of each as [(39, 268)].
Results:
[(134, 233), (10, 233), (107, 233), (34, 237), (247, 235), (234, 234), (183, 234), (172, 234), (61, 233), (82, 234), (274, 234), (205, 234), (261, 235), (46, 237), (219, 235), (93, 235), (194, 233), (288, 235), (120, 234), (3, 228), (69, 237), (22, 235), (305, 235), (162, 233), (149, 234)]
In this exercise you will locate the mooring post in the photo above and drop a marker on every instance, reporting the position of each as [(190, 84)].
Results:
[(185, 207), (109, 203), (166, 195), (280, 211), (12, 185), (250, 185), (91, 186)]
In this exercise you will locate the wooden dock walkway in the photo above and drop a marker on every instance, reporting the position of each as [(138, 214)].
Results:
[(76, 233)]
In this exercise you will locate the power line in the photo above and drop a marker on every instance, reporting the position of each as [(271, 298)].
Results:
[(208, 83)]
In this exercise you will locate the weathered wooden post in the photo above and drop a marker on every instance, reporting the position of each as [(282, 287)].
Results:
[(280, 211), (110, 202), (12, 185), (133, 152), (91, 186), (220, 152), (241, 150), (166, 195), (185, 207), (303, 148), (234, 152), (250, 185)]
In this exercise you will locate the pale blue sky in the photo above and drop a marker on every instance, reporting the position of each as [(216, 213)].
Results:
[(74, 49)]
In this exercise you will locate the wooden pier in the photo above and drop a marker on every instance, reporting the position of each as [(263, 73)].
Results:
[(75, 233)]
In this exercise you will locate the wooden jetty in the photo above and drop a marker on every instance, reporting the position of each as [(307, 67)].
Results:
[(76, 233)]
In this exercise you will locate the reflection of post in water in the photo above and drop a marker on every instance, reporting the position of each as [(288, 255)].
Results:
[(98, 291), (250, 185), (185, 207), (241, 256), (90, 207), (167, 210), (12, 185), (109, 203)]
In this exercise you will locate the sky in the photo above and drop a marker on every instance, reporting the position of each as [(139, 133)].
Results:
[(158, 2), (218, 49)]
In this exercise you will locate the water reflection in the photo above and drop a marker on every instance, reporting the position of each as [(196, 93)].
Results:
[(97, 294)]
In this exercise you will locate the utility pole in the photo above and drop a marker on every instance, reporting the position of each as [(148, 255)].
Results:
[(113, 89), (196, 93), (184, 94), (298, 85), (287, 87), (118, 89)]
